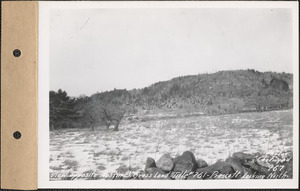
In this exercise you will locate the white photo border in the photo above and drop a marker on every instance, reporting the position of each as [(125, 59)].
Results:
[(43, 98)]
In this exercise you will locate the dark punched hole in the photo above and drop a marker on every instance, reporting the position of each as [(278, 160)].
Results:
[(17, 53), (17, 135)]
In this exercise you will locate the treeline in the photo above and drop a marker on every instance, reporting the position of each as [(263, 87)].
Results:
[(217, 93), (106, 108)]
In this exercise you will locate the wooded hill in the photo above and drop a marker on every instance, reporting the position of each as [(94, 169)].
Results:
[(221, 92), (217, 93)]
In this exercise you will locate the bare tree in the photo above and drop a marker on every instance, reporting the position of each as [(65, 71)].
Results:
[(108, 111), (113, 116)]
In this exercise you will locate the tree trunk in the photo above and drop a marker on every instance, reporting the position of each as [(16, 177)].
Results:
[(107, 124), (117, 126)]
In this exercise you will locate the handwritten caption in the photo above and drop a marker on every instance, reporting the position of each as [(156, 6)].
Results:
[(274, 169)]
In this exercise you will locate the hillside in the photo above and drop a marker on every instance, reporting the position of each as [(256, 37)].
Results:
[(216, 93), (224, 92)]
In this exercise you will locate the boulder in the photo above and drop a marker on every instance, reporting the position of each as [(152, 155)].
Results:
[(242, 156), (150, 162), (236, 165), (220, 167), (190, 155), (176, 159), (183, 165), (227, 170), (165, 162), (201, 163), (250, 162), (186, 163), (248, 171), (260, 169), (244, 159)]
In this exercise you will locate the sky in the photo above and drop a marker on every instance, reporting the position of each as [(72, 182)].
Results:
[(95, 50)]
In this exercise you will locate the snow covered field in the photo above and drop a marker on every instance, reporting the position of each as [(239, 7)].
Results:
[(208, 137)]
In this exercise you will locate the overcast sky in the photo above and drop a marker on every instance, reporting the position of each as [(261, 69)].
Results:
[(95, 50)]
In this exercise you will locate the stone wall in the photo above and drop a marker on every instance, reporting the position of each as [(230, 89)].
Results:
[(239, 166)]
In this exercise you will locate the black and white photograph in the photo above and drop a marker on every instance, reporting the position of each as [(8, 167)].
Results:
[(168, 91)]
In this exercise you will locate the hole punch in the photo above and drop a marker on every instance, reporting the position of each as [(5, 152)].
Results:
[(17, 53), (17, 135)]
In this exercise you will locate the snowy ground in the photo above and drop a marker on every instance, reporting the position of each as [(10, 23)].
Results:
[(208, 137)]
